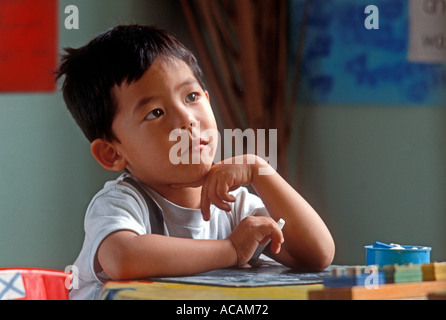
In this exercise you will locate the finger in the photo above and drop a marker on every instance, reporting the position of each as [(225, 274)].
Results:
[(234, 187), (271, 231), (222, 191), (212, 185), (275, 246), (205, 203), (206, 210), (219, 203), (276, 239), (277, 235), (265, 241)]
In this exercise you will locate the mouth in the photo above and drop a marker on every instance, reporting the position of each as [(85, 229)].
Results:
[(195, 145)]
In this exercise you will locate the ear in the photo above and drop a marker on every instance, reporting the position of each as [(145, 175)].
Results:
[(106, 154), (207, 95)]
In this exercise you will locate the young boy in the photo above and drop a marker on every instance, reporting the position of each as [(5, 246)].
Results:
[(129, 89)]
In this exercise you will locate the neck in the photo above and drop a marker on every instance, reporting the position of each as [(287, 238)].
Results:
[(184, 197)]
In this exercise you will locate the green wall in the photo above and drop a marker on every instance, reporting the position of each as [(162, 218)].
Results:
[(373, 173), (377, 174), (48, 175)]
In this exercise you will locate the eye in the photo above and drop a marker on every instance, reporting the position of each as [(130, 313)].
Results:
[(154, 114), (191, 97)]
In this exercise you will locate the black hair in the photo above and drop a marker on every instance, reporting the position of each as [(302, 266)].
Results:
[(120, 54)]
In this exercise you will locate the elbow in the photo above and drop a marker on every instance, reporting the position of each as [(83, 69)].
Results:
[(118, 275), (322, 262), (313, 264), (324, 257), (124, 271), (117, 266), (315, 261), (117, 271), (322, 254)]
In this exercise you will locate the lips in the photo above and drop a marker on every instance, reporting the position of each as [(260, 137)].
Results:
[(195, 145)]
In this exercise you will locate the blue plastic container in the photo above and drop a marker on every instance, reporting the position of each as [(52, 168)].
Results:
[(382, 256)]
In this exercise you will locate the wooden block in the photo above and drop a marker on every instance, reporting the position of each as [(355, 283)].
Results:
[(439, 295), (434, 271), (385, 291)]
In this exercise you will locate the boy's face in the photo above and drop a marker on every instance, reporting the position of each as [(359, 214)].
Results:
[(166, 99)]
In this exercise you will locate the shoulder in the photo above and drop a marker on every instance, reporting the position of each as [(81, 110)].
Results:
[(117, 199), (117, 191)]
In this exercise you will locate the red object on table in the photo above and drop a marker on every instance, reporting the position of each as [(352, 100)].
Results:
[(33, 284)]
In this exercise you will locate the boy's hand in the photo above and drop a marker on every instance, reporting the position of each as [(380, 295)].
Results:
[(223, 177), (253, 231)]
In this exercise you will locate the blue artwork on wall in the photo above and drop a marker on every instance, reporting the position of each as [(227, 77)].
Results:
[(345, 63)]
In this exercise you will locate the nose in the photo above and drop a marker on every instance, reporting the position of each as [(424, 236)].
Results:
[(187, 120), (189, 126)]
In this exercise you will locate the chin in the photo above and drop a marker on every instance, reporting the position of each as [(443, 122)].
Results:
[(200, 170), (194, 172)]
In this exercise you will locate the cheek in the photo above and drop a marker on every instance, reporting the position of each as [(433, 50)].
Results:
[(147, 151), (207, 120)]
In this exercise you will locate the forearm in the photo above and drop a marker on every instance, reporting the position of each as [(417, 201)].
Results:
[(130, 256), (308, 243)]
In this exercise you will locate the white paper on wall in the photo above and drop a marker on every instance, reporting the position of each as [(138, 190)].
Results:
[(427, 31)]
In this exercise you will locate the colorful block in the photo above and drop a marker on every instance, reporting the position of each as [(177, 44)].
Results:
[(434, 271)]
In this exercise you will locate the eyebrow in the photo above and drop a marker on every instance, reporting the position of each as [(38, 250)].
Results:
[(145, 100), (187, 82)]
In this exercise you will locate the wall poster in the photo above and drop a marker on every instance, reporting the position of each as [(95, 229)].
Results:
[(347, 62), (28, 45)]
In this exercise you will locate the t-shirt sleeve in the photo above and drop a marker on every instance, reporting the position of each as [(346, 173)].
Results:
[(118, 208)]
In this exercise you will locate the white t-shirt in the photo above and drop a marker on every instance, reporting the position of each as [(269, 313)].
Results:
[(119, 206)]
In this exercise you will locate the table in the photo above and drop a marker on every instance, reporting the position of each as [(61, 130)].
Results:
[(267, 281)]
